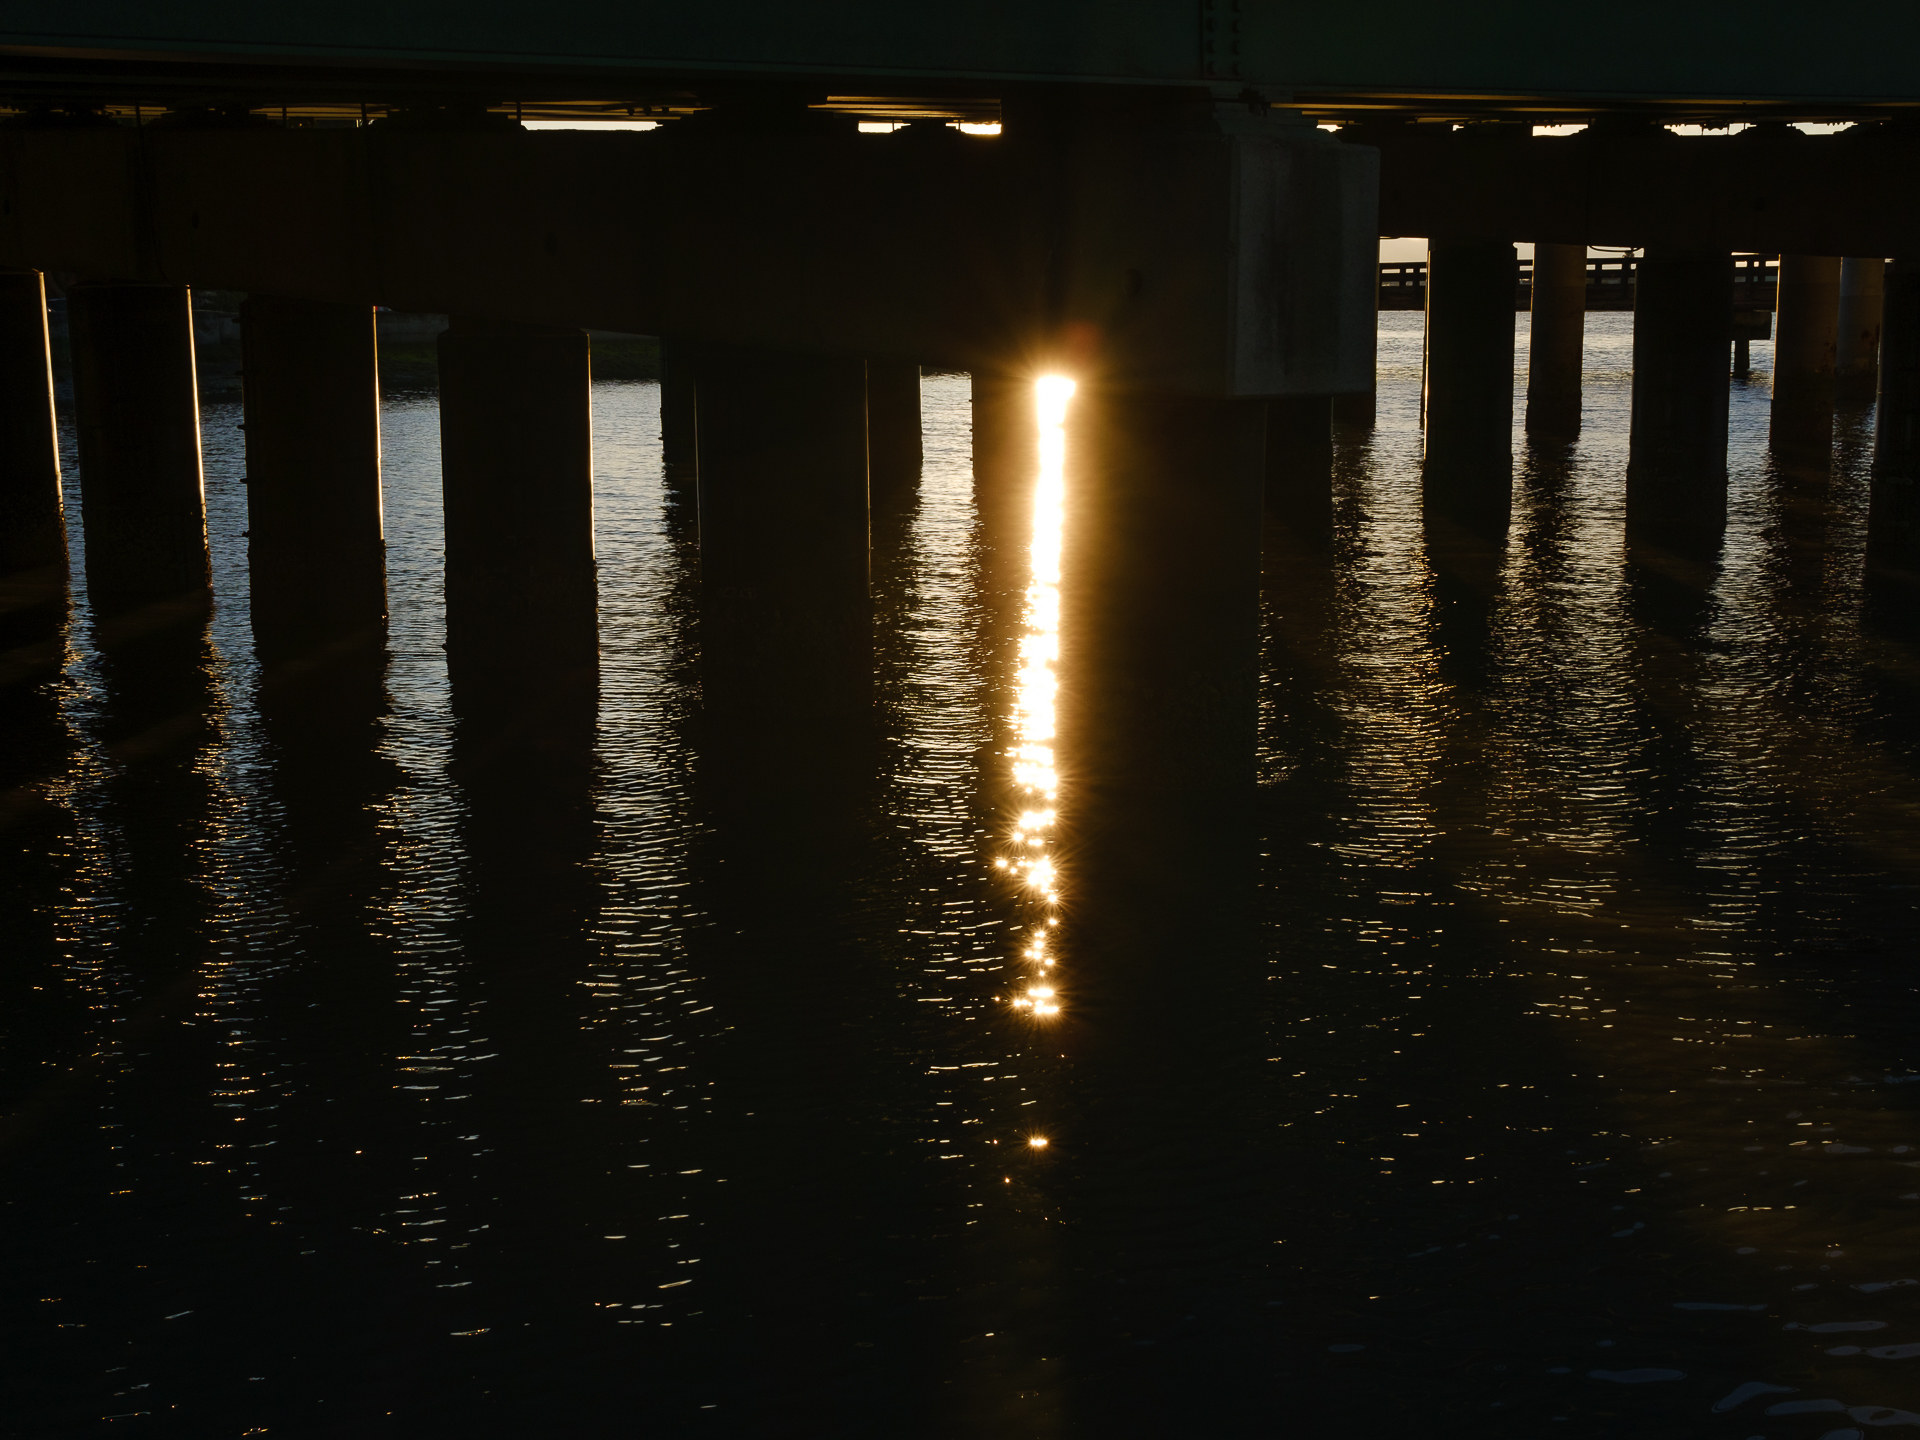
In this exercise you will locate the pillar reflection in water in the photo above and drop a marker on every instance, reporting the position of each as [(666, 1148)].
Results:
[(1158, 603)]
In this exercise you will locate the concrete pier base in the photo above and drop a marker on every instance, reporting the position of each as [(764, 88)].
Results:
[(1677, 449), (1557, 342), (1469, 380), (1893, 520), (1806, 340), (1299, 464), (893, 431), (787, 624), (315, 553), (1159, 621), (1856, 365), (1006, 441), (1005, 437), (33, 537), (679, 448), (517, 477), (1157, 716), (1356, 412), (138, 416)]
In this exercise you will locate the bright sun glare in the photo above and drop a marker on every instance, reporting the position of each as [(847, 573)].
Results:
[(1033, 756)]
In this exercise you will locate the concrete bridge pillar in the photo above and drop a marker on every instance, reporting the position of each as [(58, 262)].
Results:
[(1005, 433), (679, 451), (1555, 347), (1159, 624), (1471, 285), (1299, 463), (1893, 519), (1856, 367), (137, 410), (33, 537), (893, 430), (1357, 411), (787, 621), (1806, 340), (1677, 448), (517, 480), (315, 552)]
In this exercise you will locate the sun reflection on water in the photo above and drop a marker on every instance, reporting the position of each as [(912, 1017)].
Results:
[(1034, 771)]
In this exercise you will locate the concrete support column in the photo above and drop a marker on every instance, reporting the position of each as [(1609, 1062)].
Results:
[(1806, 340), (1159, 622), (1557, 342), (33, 537), (1157, 729), (1893, 519), (1005, 437), (315, 553), (517, 479), (1299, 463), (138, 414), (679, 451), (1856, 367), (893, 429), (1677, 449), (1357, 411), (1471, 286), (787, 625)]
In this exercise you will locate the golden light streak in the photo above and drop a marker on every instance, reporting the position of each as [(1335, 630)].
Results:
[(1037, 688)]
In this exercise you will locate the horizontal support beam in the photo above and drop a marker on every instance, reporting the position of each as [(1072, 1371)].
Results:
[(1767, 189), (787, 241), (1200, 249)]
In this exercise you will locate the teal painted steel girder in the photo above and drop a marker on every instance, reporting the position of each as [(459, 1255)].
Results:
[(1688, 53)]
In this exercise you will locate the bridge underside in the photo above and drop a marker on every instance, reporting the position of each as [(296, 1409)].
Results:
[(1499, 58)]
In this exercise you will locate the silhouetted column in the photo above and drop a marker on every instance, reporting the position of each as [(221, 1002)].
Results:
[(1358, 411), (1157, 722), (1677, 451), (679, 449), (1471, 286), (1893, 524), (315, 553), (517, 478), (1856, 368), (1004, 433), (33, 539), (787, 627), (893, 428), (1159, 617), (1556, 343), (1299, 463), (138, 416), (1807, 317)]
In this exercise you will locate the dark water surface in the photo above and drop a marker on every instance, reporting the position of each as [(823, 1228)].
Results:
[(362, 1079)]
